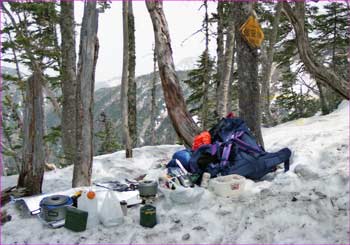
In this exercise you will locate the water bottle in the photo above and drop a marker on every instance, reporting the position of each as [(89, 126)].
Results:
[(88, 202)]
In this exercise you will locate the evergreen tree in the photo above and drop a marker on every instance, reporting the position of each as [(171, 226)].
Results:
[(107, 136), (292, 102), (195, 81), (331, 42)]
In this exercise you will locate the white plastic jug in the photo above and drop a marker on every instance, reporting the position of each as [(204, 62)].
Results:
[(111, 213), (90, 206), (227, 186)]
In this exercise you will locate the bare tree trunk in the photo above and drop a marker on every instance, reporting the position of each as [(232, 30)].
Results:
[(267, 67), (153, 99), (125, 83), (224, 91), (319, 71), (69, 82), (207, 71), (323, 102), (32, 171), (219, 52), (248, 85), (88, 54), (131, 79), (231, 81), (182, 121)]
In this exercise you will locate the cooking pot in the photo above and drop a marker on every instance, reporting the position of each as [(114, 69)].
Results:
[(148, 188), (53, 208)]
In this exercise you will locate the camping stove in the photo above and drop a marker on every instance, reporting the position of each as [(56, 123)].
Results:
[(148, 191)]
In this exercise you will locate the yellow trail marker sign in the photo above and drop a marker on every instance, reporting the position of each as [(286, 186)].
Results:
[(252, 32)]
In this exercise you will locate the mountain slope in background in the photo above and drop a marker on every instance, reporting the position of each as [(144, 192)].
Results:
[(108, 100), (307, 205)]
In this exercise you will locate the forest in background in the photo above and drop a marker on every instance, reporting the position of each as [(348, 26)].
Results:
[(301, 68)]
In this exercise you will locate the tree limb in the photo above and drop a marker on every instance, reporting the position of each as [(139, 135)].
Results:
[(319, 71)]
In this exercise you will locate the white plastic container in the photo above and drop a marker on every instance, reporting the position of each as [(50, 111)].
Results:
[(111, 213), (227, 186), (90, 206)]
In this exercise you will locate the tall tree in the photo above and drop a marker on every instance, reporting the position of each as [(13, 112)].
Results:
[(206, 76), (88, 54), (219, 51), (32, 170), (331, 45), (319, 71), (300, 9), (248, 85), (131, 78), (125, 82), (224, 85), (267, 58), (153, 99), (182, 121), (69, 82), (197, 78), (34, 41)]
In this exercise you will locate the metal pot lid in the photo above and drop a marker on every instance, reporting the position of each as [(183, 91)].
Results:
[(54, 200), (148, 183)]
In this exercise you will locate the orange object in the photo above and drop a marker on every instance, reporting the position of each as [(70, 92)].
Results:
[(252, 32), (203, 138), (91, 194)]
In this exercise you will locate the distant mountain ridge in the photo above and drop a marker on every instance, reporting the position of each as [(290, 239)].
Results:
[(108, 100)]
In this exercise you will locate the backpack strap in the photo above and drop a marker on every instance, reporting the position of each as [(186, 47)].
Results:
[(243, 145), (226, 151)]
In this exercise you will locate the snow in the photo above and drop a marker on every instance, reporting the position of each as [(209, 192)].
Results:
[(308, 204)]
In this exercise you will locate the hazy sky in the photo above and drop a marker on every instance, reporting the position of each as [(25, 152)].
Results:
[(184, 18)]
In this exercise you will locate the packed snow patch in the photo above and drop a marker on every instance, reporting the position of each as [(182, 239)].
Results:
[(308, 204)]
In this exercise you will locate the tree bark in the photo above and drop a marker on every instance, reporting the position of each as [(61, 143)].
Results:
[(231, 81), (125, 82), (131, 79), (248, 85), (69, 82), (319, 71), (219, 53), (153, 99), (206, 70), (88, 54), (224, 88), (182, 121), (267, 67), (323, 102), (32, 171)]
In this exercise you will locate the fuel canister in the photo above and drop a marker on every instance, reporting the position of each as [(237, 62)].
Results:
[(148, 216)]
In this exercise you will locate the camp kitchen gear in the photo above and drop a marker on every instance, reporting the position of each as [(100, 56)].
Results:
[(148, 216), (76, 219), (75, 198), (90, 206), (180, 166), (124, 206), (182, 177), (227, 186), (115, 186), (53, 208), (148, 189), (205, 180)]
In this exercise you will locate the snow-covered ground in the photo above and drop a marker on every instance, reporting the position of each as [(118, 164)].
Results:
[(308, 204)]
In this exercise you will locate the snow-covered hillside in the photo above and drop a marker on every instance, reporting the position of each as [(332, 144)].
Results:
[(308, 204)]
